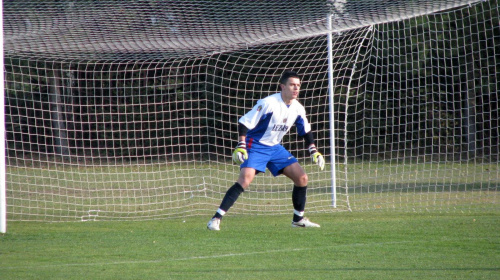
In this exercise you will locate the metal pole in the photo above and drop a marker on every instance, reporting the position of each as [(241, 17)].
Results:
[(332, 119), (3, 189)]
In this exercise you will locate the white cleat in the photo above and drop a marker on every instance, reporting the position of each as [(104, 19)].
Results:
[(304, 223), (214, 224)]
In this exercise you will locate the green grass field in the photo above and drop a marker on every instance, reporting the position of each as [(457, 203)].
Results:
[(364, 245), (139, 192), (415, 221)]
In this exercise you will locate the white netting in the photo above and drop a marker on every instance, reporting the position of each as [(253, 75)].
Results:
[(128, 109), (161, 29)]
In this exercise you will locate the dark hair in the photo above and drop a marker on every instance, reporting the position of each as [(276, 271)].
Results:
[(288, 74)]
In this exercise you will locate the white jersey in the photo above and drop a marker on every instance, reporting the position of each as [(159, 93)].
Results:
[(270, 119)]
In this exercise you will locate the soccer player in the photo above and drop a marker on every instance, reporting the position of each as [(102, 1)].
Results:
[(259, 133)]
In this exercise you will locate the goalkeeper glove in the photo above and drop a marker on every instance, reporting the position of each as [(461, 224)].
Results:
[(240, 153), (316, 156)]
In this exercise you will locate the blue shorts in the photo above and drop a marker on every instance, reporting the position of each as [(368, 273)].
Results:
[(275, 158)]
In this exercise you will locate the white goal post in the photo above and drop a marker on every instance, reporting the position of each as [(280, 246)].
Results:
[(3, 171), (127, 110)]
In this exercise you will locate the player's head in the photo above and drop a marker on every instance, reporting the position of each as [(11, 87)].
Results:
[(290, 86), (288, 74)]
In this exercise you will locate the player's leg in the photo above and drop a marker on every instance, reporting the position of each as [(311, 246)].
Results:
[(283, 162), (247, 174), (299, 194), (297, 174), (246, 177)]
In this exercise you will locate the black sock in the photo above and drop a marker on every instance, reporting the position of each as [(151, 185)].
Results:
[(299, 201), (231, 196)]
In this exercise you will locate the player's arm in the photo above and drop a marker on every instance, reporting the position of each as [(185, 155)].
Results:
[(316, 156), (246, 122), (240, 153), (304, 130)]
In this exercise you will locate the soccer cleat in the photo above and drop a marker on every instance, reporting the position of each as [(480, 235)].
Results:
[(214, 224), (304, 222)]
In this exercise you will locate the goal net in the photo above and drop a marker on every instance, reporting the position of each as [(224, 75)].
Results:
[(128, 109)]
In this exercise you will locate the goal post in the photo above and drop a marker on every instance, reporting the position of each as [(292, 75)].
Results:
[(127, 110), (329, 38), (3, 167)]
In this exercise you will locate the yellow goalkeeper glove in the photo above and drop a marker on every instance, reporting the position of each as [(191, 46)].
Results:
[(240, 153), (316, 156)]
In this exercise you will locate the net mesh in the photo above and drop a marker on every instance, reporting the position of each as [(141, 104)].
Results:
[(128, 109), (124, 30)]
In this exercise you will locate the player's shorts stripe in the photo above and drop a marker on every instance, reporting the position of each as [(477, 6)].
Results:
[(250, 143)]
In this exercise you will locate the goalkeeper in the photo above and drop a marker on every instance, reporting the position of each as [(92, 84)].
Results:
[(260, 132)]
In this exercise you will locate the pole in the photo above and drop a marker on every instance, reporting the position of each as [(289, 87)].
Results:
[(332, 119), (3, 189)]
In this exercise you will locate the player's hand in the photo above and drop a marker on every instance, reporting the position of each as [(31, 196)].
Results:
[(240, 153), (317, 157)]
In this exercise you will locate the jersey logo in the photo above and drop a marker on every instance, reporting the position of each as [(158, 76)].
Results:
[(280, 127), (259, 108), (284, 120)]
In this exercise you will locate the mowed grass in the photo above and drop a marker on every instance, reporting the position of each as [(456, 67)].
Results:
[(161, 190), (363, 245)]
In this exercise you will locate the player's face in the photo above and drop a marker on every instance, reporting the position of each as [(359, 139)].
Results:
[(290, 90)]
